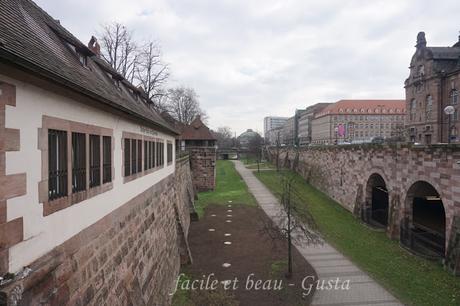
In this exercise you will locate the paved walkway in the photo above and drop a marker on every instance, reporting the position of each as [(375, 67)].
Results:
[(328, 263)]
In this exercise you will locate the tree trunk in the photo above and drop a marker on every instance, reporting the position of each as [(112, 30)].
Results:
[(289, 274)]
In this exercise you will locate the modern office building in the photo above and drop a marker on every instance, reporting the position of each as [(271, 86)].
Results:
[(272, 123), (304, 122)]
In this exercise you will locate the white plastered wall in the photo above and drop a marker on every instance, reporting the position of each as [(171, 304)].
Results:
[(42, 234)]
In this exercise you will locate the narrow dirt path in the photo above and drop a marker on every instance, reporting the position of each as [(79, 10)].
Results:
[(229, 242)]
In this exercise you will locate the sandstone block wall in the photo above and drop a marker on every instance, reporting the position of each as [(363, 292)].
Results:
[(130, 257), (342, 172), (203, 165)]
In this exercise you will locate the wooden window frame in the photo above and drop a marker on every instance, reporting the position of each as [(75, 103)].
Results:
[(53, 123), (144, 139)]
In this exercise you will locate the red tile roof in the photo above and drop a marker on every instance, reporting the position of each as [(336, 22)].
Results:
[(361, 107), (197, 130)]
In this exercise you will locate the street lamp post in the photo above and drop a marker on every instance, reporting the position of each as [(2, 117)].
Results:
[(449, 111)]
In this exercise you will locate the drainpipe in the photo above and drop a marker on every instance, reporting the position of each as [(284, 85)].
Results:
[(441, 102)]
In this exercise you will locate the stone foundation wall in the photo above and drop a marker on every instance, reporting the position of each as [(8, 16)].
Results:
[(343, 172), (130, 257), (203, 165)]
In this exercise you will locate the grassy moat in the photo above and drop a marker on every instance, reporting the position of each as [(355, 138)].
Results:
[(415, 281)]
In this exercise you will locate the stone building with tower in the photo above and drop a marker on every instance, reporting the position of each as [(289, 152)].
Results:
[(433, 84)]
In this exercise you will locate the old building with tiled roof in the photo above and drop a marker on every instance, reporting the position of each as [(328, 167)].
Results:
[(197, 134), (433, 85), (91, 193), (358, 121), (200, 143)]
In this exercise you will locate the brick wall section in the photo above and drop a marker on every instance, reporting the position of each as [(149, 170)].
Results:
[(130, 257), (185, 193), (12, 185), (203, 165), (342, 172)]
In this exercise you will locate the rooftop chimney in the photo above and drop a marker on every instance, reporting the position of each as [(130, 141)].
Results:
[(457, 44), (421, 41), (94, 46)]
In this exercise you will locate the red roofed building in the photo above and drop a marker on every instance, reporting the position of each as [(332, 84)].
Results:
[(358, 121), (198, 140), (197, 134)]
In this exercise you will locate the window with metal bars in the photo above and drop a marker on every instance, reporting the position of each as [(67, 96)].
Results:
[(57, 164), (146, 155), (152, 154), (169, 152), (133, 156), (78, 162), (160, 154), (94, 160), (127, 150), (158, 157), (106, 159), (139, 155)]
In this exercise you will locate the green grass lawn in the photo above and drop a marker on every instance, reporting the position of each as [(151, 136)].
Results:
[(415, 281), (248, 160), (263, 165), (229, 187)]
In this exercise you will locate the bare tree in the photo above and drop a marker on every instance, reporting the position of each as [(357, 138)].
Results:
[(224, 137), (294, 222), (255, 149), (161, 100), (151, 72), (278, 145), (119, 49), (183, 105), (141, 64)]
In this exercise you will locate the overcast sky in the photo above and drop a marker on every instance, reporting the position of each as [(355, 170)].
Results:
[(251, 59)]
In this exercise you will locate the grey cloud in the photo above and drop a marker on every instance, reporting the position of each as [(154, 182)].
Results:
[(250, 59)]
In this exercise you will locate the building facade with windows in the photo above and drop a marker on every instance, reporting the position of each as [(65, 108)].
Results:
[(288, 131), (273, 122), (358, 121), (305, 119), (274, 137), (87, 172), (433, 84)]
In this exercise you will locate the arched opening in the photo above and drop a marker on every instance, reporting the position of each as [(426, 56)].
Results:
[(427, 222), (376, 201)]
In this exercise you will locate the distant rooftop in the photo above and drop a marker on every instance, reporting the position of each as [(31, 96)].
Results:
[(357, 107), (197, 130)]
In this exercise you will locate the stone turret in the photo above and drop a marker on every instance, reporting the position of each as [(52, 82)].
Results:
[(421, 40)]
